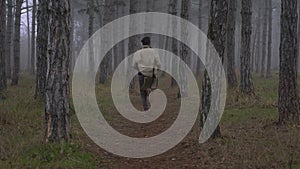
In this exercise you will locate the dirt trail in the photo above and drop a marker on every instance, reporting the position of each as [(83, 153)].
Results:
[(247, 143)]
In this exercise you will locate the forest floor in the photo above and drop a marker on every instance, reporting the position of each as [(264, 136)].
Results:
[(250, 136)]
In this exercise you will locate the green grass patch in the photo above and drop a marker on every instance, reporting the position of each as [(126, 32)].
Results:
[(22, 134), (244, 114), (53, 156)]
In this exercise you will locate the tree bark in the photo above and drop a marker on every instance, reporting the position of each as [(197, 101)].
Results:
[(198, 65), (174, 45), (258, 43), (269, 62), (265, 39), (15, 77), (2, 45), (104, 66), (41, 48), (298, 53), (231, 74), (217, 35), (119, 50), (246, 85), (288, 102), (33, 37), (91, 13), (58, 122), (9, 32), (184, 51), (254, 40), (109, 14), (134, 42), (28, 38)]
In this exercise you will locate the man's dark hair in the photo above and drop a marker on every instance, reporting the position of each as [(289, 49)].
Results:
[(146, 41)]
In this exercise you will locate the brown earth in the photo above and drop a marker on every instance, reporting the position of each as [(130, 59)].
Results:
[(253, 141)]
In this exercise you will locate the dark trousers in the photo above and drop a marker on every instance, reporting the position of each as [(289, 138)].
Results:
[(144, 94)]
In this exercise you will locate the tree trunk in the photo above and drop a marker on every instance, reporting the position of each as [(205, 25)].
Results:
[(255, 48), (15, 78), (2, 45), (269, 62), (102, 69), (104, 66), (110, 17), (58, 122), (28, 38), (198, 65), (217, 35), (73, 39), (173, 11), (119, 49), (265, 39), (184, 51), (231, 75), (134, 42), (254, 40), (149, 5), (91, 13), (9, 32), (33, 37), (288, 103), (258, 43), (41, 48), (246, 85), (298, 52)]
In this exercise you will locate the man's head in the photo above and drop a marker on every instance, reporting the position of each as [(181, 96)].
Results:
[(146, 41)]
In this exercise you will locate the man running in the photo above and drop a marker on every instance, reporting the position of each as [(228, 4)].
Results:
[(146, 61)]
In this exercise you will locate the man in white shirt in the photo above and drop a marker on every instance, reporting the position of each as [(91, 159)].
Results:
[(146, 61)]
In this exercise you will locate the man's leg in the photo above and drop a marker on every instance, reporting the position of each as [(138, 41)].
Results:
[(143, 93)]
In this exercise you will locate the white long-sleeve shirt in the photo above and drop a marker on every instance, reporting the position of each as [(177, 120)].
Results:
[(145, 60)]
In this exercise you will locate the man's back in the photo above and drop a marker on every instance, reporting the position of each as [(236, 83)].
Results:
[(145, 60)]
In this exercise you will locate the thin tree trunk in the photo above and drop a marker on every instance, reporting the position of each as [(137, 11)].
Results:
[(265, 39), (254, 49), (173, 11), (149, 6), (198, 65), (184, 51), (288, 102), (231, 74), (246, 85), (269, 62), (298, 51), (91, 13), (33, 37), (258, 43), (110, 17), (104, 66), (15, 77), (9, 32), (28, 38), (2, 45), (119, 49), (41, 48), (217, 35), (133, 44), (102, 69), (73, 49), (258, 51), (58, 122)]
